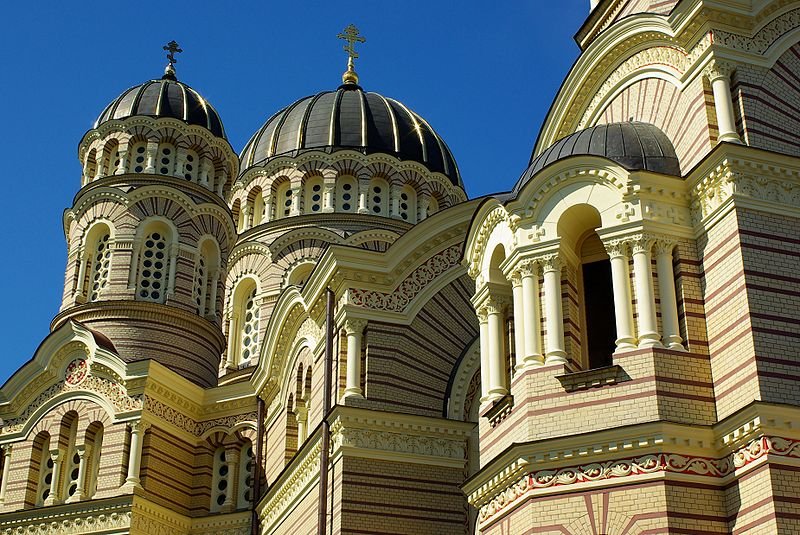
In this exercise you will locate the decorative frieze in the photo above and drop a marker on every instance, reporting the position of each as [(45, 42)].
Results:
[(180, 420), (643, 465), (411, 286)]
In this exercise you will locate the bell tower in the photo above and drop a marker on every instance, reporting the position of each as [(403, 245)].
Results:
[(149, 231)]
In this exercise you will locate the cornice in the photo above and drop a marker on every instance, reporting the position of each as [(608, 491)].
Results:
[(110, 515)]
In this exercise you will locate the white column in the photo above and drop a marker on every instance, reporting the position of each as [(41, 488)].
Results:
[(6, 471), (327, 196), (483, 323), (80, 490), (123, 160), (554, 316), (152, 149), (532, 355), (180, 164), (497, 364), (354, 329), (295, 209), (232, 494), (719, 75), (220, 178), (422, 207), (519, 319), (645, 296), (247, 216), (55, 483), (81, 269), (135, 455), (205, 168), (301, 414), (363, 191), (395, 200), (620, 280), (666, 289)]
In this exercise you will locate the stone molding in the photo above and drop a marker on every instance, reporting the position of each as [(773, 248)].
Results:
[(746, 179), (176, 417), (96, 516), (399, 299), (395, 437), (764, 38), (656, 463)]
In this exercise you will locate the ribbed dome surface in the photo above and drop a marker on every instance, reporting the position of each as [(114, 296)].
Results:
[(164, 98), (634, 145), (350, 118)]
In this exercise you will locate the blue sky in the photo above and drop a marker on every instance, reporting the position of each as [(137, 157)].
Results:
[(482, 73)]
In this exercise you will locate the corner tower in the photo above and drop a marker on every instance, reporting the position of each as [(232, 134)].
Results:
[(149, 231)]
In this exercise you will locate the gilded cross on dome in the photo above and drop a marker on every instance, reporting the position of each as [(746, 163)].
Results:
[(172, 48), (352, 37)]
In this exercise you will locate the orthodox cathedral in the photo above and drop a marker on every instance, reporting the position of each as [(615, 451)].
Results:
[(324, 335)]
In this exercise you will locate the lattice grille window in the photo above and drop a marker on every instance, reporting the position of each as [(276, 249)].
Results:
[(190, 167), (219, 489), (246, 476), (45, 474), (138, 157), (313, 198), (249, 329), (346, 200), (166, 160), (200, 278), (152, 270), (408, 205), (73, 472), (101, 262)]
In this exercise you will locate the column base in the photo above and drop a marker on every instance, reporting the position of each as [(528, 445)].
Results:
[(531, 361), (363, 211), (496, 394), (674, 342), (729, 138), (625, 344), (130, 485), (353, 393), (650, 340), (555, 357)]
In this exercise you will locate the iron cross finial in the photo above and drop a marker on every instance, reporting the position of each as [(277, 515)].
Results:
[(350, 35), (172, 48)]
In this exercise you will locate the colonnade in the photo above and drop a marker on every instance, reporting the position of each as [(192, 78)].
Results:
[(526, 301)]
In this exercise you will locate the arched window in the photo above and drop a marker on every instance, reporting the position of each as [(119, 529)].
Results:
[(346, 195), (290, 443), (110, 157), (155, 263), (205, 272), (299, 275), (246, 473), (191, 166), (243, 331), (220, 480), (90, 167), (138, 157), (407, 206), (378, 197), (42, 465), (165, 163), (95, 264), (313, 195), (283, 200)]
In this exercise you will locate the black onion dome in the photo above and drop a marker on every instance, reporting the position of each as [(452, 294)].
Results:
[(633, 145), (166, 97), (350, 118)]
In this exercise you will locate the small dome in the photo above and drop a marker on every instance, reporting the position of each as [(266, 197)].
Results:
[(633, 145), (166, 97), (350, 118)]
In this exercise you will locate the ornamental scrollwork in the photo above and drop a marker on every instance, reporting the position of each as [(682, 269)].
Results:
[(411, 286), (180, 420)]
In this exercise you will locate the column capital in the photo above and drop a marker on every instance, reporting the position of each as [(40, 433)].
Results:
[(495, 304), (641, 243), (354, 325), (528, 268), (7, 449), (664, 245), (551, 262), (618, 247), (483, 314), (138, 426), (516, 278), (719, 69)]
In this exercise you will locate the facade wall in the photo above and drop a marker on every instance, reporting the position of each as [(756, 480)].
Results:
[(767, 102)]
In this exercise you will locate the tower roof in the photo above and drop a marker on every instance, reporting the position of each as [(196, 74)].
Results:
[(350, 118), (166, 97)]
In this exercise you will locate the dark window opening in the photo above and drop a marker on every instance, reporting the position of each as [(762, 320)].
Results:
[(598, 297)]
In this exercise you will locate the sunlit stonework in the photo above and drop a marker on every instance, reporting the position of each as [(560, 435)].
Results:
[(608, 347)]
